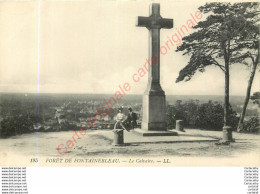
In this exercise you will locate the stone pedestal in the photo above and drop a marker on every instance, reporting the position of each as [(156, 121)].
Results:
[(227, 134), (154, 113), (146, 133), (118, 137), (180, 125)]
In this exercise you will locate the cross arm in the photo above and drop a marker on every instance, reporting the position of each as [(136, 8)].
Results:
[(166, 23), (154, 22), (143, 21)]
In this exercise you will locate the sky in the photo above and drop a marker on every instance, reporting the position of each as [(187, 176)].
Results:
[(95, 47)]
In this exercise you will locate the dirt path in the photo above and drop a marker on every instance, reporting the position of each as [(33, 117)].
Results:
[(95, 144)]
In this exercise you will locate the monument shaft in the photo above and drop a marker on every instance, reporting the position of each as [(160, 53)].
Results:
[(154, 49), (153, 85), (154, 105)]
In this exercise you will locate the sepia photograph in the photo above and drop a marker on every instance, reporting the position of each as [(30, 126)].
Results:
[(129, 83)]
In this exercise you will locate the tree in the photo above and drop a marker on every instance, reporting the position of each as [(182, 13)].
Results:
[(215, 42), (248, 52)]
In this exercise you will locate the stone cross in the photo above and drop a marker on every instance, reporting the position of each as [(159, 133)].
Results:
[(154, 97), (154, 23)]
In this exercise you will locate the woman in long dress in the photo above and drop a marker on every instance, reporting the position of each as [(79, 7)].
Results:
[(120, 119)]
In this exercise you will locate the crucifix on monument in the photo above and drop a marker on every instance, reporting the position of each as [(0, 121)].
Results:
[(154, 105)]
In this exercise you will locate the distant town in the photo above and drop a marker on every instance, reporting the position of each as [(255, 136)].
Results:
[(78, 113), (59, 112)]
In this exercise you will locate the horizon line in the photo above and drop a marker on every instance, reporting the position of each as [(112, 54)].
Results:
[(113, 94)]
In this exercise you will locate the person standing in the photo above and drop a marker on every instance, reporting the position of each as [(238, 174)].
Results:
[(132, 117)]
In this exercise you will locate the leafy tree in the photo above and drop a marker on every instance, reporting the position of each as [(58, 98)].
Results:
[(215, 42), (191, 112), (210, 116), (256, 98)]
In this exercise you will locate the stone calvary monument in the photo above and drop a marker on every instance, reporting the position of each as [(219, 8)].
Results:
[(154, 105)]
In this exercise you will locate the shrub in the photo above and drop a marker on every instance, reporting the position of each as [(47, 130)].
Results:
[(16, 125), (208, 116), (252, 125)]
